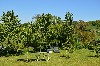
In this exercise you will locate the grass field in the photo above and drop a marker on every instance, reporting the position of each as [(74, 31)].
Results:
[(82, 57)]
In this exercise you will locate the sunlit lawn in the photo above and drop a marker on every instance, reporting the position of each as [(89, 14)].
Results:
[(82, 57)]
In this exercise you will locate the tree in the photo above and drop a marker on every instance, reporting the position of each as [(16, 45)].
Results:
[(69, 18), (85, 35), (67, 32), (46, 30), (41, 28), (10, 24)]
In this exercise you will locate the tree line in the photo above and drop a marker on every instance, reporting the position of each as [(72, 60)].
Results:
[(46, 30)]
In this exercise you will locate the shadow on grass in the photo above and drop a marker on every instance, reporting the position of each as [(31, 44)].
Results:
[(63, 56), (43, 59), (30, 60), (25, 60), (20, 60)]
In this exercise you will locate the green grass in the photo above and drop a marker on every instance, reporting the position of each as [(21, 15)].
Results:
[(82, 57)]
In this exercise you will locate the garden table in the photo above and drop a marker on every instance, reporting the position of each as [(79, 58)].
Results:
[(42, 55)]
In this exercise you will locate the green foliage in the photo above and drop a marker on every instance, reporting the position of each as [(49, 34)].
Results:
[(46, 30), (96, 23), (95, 45), (84, 32), (10, 26), (69, 18)]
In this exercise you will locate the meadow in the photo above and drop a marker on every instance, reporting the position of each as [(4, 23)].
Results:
[(81, 57)]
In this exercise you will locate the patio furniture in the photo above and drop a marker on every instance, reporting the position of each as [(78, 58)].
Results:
[(49, 50), (43, 56), (56, 50)]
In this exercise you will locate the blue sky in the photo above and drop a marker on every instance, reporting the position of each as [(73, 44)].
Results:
[(82, 9)]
